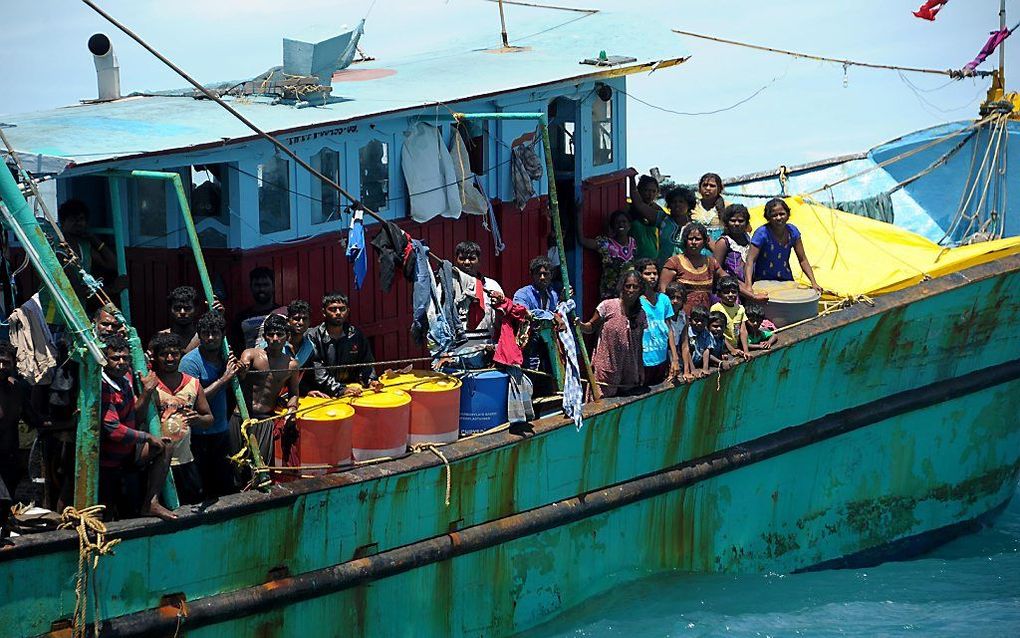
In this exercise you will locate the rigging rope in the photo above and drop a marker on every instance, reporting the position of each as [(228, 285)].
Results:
[(846, 63)]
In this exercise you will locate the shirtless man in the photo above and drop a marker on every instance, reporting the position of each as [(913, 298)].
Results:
[(264, 373)]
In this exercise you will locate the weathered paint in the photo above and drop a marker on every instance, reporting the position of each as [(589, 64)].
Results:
[(905, 475)]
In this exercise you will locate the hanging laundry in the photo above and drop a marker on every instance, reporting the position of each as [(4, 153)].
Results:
[(394, 248), (472, 198), (994, 40), (490, 223), (509, 318), (573, 396), (930, 9), (448, 305), (525, 168), (37, 352), (421, 291), (356, 248), (430, 174)]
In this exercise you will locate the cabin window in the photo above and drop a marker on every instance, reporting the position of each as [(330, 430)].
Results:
[(327, 209), (210, 203), (273, 178), (602, 131), (147, 219), (374, 162)]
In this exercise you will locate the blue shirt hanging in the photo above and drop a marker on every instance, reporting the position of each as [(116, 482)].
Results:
[(356, 249)]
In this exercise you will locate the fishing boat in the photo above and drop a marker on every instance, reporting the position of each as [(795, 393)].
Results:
[(870, 433)]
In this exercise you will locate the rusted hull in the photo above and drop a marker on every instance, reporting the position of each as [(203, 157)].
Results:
[(866, 428)]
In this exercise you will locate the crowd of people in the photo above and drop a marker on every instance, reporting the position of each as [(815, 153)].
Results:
[(677, 284), (676, 300)]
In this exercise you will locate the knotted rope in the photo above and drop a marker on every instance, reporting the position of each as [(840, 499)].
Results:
[(92, 544)]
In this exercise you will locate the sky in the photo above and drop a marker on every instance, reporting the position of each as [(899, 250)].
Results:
[(802, 110)]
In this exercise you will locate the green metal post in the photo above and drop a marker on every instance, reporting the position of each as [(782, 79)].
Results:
[(138, 361), (568, 291), (119, 243), (261, 477), (20, 220), (150, 417)]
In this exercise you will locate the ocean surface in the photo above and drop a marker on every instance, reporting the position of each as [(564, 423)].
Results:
[(969, 587)]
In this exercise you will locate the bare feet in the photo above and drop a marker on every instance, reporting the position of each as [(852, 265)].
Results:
[(157, 510)]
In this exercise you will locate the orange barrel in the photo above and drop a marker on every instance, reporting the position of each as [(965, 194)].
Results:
[(324, 433), (435, 404), (382, 423)]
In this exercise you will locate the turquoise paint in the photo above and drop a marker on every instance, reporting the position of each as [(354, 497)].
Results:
[(733, 523), (916, 472)]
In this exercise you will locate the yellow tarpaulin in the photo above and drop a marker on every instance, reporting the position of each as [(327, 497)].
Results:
[(853, 255)]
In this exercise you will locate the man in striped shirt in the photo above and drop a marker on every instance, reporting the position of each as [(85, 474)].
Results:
[(133, 464)]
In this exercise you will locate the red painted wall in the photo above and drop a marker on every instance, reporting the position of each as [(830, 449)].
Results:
[(310, 268), (600, 196)]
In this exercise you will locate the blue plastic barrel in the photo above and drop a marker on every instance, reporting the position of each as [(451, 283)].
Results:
[(483, 401)]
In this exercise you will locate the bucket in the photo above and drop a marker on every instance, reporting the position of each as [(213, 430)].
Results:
[(788, 302), (483, 401), (381, 424), (435, 404), (324, 433)]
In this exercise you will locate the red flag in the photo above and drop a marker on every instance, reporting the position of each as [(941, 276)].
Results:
[(930, 9)]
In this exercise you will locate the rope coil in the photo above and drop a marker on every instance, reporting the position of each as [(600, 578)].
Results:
[(92, 544)]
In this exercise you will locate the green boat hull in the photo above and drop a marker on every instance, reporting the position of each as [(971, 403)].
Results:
[(866, 432)]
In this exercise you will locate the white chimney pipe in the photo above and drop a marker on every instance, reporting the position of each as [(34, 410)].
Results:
[(107, 68)]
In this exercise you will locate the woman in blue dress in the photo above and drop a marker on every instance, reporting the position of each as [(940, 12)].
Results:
[(768, 257)]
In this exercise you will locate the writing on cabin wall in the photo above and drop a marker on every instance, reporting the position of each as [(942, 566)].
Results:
[(330, 132)]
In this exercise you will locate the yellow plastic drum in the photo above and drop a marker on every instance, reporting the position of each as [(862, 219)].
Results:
[(435, 404), (382, 424), (324, 433)]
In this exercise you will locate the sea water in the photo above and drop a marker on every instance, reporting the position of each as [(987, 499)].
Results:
[(968, 587)]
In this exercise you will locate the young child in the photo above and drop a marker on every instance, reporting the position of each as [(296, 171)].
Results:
[(720, 347), (760, 331), (735, 331), (699, 339), (679, 347), (657, 336)]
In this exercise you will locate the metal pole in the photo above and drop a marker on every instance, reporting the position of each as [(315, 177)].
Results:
[(150, 417), (262, 479), (568, 292), (502, 25), (1002, 45), (19, 218)]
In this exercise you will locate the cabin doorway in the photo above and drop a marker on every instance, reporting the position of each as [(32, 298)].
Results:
[(563, 118)]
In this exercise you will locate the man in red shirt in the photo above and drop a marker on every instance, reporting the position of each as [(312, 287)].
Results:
[(133, 464)]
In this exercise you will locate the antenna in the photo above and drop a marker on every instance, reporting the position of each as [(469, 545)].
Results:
[(1002, 45), (506, 42)]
